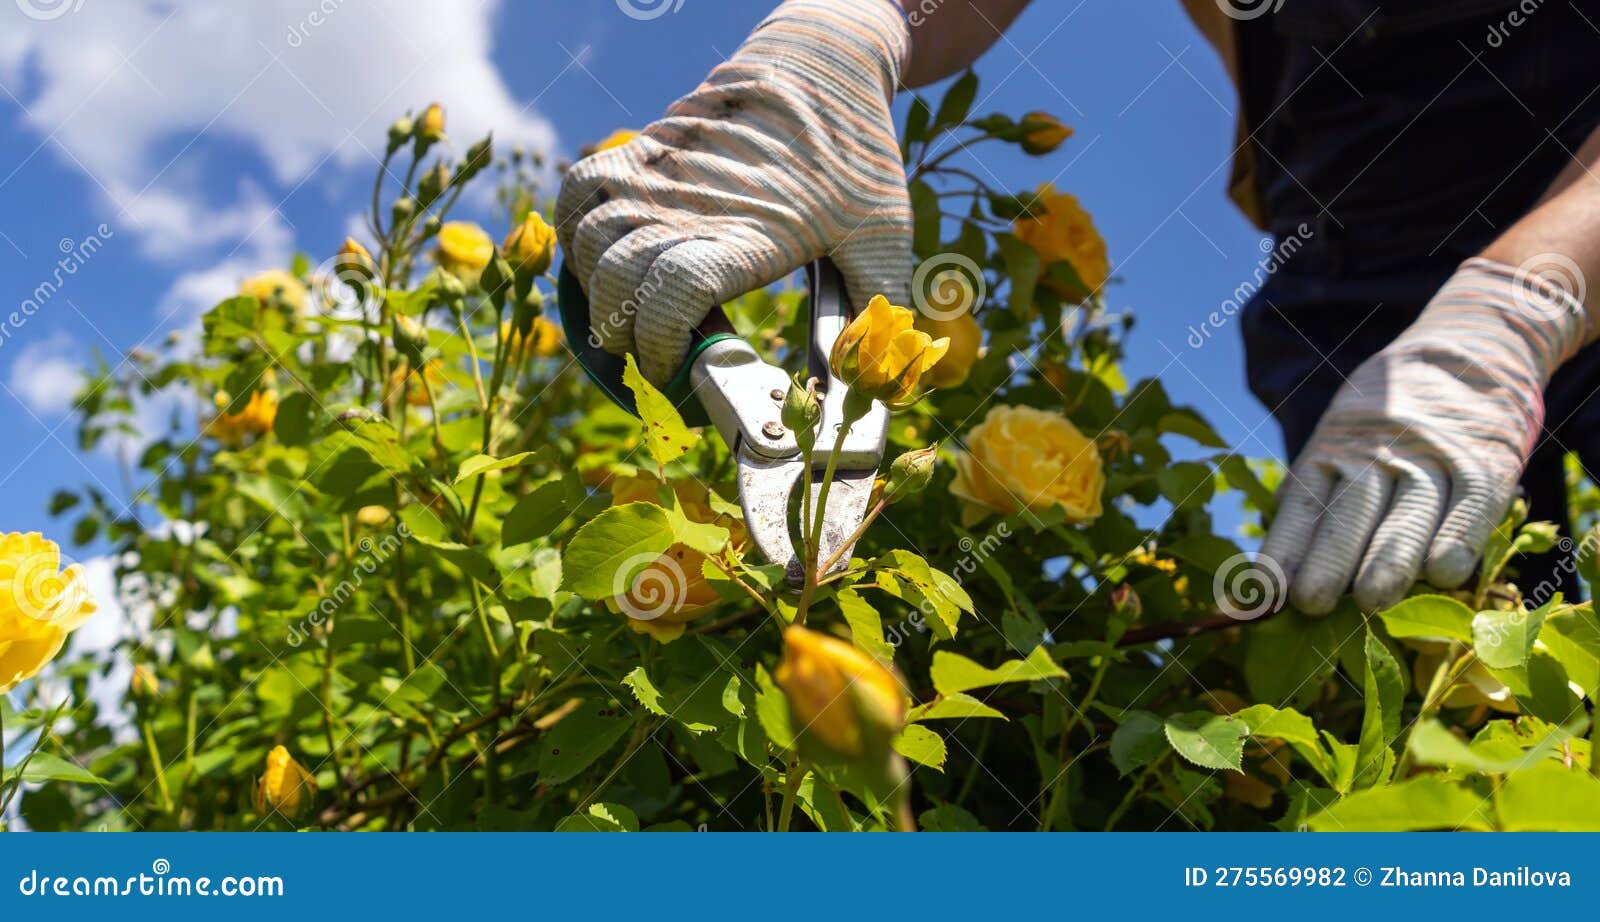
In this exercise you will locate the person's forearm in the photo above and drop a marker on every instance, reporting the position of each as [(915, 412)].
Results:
[(1565, 224), (948, 35)]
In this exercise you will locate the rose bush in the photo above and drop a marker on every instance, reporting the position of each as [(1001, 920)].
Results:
[(406, 568)]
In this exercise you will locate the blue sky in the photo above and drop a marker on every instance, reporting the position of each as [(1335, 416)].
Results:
[(212, 140)]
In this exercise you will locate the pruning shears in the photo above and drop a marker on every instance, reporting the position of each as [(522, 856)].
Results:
[(724, 382)]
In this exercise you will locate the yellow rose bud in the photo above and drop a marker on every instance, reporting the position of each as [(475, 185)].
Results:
[(881, 354), (1043, 133), (839, 696), (431, 126), (144, 683), (464, 249), (1059, 229), (615, 139), (285, 786), (433, 184), (966, 345), (1024, 458), (276, 286), (544, 339), (410, 339), (910, 473), (530, 246), (354, 256), (40, 605), (373, 516)]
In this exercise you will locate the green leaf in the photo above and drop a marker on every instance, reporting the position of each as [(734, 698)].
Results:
[(1432, 616), (918, 117), (1189, 424), (908, 577), (949, 818), (538, 513), (1504, 639), (772, 710), (579, 739), (866, 625), (607, 552), (953, 673), (1289, 657), (665, 435), (1208, 740), (297, 415), (1237, 472), (1573, 638), (1427, 802), (1549, 797), (1137, 741), (922, 746), (1022, 267), (46, 767), (483, 464), (1432, 743), (957, 102), (953, 707), (925, 217), (1185, 483), (1383, 690), (601, 817), (470, 561)]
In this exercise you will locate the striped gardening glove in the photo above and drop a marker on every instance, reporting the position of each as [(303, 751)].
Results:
[(1417, 459), (786, 153)]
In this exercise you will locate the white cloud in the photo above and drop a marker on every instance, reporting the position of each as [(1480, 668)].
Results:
[(46, 375), (147, 97)]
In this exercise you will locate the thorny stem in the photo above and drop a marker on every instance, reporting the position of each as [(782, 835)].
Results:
[(791, 786), (1134, 790), (813, 541)]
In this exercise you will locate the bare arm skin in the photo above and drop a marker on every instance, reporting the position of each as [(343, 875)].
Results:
[(1565, 222), (948, 35)]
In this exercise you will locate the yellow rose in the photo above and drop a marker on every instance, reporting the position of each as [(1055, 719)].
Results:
[(966, 344), (464, 249), (882, 354), (40, 604), (285, 786), (256, 418), (373, 515), (615, 139), (1043, 133), (531, 245), (839, 696), (276, 285), (1022, 458), (431, 125), (671, 591), (1059, 229)]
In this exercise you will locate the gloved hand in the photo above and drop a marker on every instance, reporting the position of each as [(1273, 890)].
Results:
[(785, 153), (1417, 458)]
